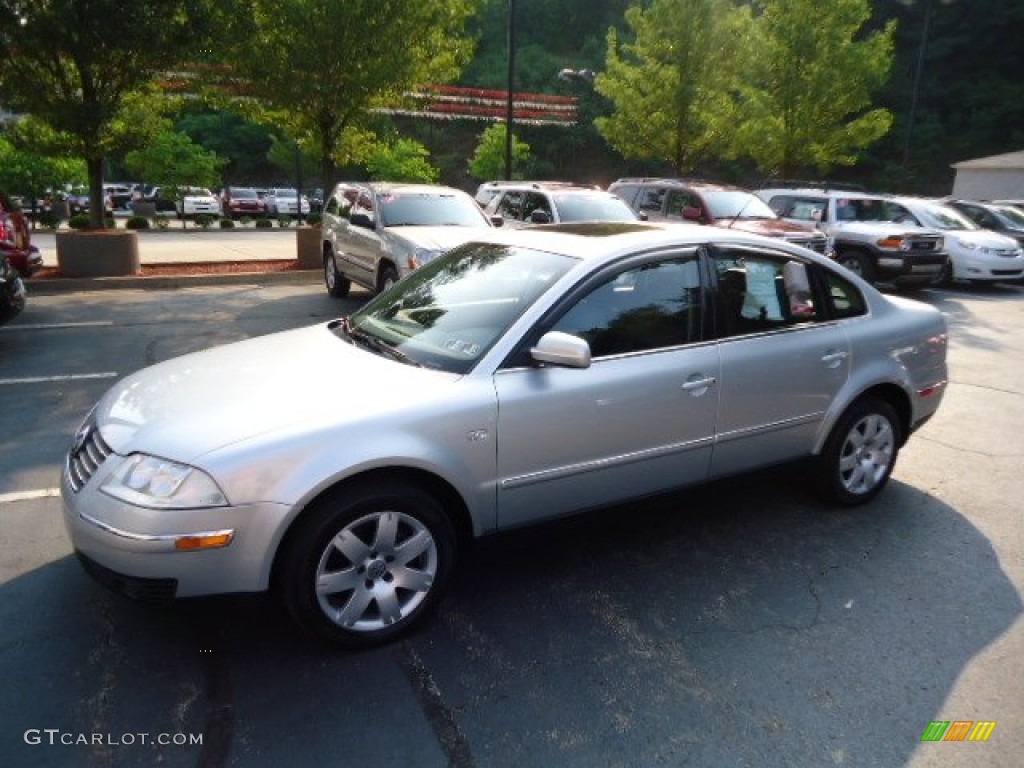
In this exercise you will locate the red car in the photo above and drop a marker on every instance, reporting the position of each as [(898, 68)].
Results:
[(15, 243), (242, 201)]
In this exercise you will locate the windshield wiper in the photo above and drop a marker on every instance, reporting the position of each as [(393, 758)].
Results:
[(374, 344)]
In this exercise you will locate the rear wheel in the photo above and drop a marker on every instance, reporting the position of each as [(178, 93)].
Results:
[(337, 284), (860, 453), (368, 563)]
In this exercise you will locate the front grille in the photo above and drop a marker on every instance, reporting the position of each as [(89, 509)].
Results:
[(814, 242), (87, 453), (919, 244), (1007, 253), (1006, 272)]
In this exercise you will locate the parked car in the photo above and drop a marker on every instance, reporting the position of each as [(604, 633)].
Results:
[(163, 199), (522, 376), (16, 243), (242, 201), (975, 254), (520, 205), (376, 233), (282, 201), (12, 291), (722, 205), (1004, 219), (867, 234), (194, 201)]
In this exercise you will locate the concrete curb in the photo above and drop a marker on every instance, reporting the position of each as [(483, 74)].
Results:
[(58, 285)]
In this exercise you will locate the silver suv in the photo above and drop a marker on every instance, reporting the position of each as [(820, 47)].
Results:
[(871, 234), (554, 202), (374, 233)]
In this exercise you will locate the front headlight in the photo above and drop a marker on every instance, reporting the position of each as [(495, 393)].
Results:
[(148, 481), (421, 256), (967, 244)]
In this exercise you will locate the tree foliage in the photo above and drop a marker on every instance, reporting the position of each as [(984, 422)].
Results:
[(671, 83), (322, 66), (173, 160), (488, 161), (73, 63), (806, 99), (402, 160)]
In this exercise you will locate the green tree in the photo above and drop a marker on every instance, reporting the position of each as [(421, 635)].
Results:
[(74, 63), (403, 160), (26, 173), (173, 160), (321, 66), (807, 100), (488, 161), (671, 85)]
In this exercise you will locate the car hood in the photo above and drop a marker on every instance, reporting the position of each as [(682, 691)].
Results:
[(767, 227), (435, 238), (188, 406), (983, 239)]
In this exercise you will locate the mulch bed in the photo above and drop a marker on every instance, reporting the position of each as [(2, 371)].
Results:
[(197, 268)]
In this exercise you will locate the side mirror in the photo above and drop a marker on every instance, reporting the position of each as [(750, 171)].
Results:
[(690, 213), (643, 216), (361, 220), (498, 221), (562, 349), (540, 217)]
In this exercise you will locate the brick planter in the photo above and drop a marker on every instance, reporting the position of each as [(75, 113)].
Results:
[(308, 247), (98, 253)]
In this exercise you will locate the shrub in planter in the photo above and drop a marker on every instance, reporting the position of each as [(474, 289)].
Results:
[(284, 221), (227, 224), (246, 221), (264, 223), (314, 219), (79, 221), (137, 222), (48, 220), (204, 220)]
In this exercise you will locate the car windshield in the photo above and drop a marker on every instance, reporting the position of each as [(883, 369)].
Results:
[(285, 193), (1010, 215), (429, 209), (942, 217), (737, 204), (447, 314), (244, 194), (591, 207)]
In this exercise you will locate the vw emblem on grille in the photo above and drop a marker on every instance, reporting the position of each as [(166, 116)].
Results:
[(81, 436)]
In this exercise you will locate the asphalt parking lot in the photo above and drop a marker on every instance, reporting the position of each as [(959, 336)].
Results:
[(740, 624)]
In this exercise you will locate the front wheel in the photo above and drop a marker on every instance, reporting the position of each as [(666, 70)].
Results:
[(367, 563), (860, 453), (857, 263), (337, 284), (387, 278)]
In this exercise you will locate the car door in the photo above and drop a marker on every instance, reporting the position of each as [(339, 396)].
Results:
[(360, 244), (783, 360), (639, 419)]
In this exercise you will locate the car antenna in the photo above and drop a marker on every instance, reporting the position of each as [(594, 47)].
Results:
[(764, 182)]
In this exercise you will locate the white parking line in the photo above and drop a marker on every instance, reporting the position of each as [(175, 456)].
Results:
[(64, 377), (42, 493), (51, 326)]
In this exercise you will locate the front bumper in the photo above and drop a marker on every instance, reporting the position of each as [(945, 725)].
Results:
[(134, 549), (905, 269)]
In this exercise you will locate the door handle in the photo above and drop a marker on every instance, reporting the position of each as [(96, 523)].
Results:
[(834, 358), (698, 386)]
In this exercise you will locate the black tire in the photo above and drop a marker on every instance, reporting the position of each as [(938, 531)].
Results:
[(858, 263), (860, 453), (388, 276), (336, 283), (399, 553), (945, 277)]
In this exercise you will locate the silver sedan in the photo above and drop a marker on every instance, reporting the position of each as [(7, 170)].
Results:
[(525, 375)]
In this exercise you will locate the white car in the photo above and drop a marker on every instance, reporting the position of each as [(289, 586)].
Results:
[(974, 253), (282, 201), (197, 200)]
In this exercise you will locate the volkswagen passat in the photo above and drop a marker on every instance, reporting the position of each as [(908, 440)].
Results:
[(522, 376)]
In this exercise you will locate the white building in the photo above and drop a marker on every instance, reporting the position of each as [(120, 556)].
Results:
[(990, 178)]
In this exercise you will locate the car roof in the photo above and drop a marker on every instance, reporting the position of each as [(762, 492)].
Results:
[(384, 187), (594, 240), (680, 182), (823, 193)]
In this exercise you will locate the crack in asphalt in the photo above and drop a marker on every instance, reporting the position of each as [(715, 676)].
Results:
[(441, 718), (219, 730)]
